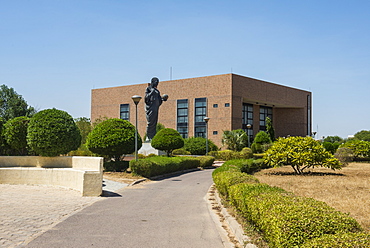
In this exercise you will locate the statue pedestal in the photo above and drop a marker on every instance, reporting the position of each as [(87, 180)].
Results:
[(147, 149)]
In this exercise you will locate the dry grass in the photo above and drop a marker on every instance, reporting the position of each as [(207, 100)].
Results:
[(347, 190)]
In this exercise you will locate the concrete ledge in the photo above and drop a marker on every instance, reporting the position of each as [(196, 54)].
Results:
[(84, 174)]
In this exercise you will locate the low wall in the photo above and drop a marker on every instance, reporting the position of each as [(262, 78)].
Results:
[(84, 174)]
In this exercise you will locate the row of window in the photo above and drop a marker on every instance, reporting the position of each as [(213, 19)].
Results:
[(201, 112)]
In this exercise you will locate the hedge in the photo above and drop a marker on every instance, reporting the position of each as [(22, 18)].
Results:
[(247, 165), (285, 219), (154, 166)]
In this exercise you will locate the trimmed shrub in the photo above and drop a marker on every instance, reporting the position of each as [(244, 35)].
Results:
[(230, 168), (154, 166), (206, 161), (15, 133), (197, 145), (224, 180), (259, 143), (248, 166), (285, 219), (342, 240), (114, 138), (246, 153), (167, 140), (116, 166), (180, 151), (52, 132)]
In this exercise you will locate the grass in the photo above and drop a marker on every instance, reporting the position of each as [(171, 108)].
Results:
[(346, 190)]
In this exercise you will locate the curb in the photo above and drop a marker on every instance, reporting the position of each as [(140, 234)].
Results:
[(234, 229)]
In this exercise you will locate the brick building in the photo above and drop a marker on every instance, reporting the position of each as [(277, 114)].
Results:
[(230, 101)]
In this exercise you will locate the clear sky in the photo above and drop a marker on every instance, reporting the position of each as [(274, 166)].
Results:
[(53, 52)]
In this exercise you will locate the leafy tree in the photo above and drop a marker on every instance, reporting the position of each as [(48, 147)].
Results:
[(235, 140), (261, 140), (333, 139), (167, 140), (52, 132), (15, 133), (13, 105), (197, 145), (85, 127), (300, 153), (363, 135), (113, 137), (360, 148), (270, 129)]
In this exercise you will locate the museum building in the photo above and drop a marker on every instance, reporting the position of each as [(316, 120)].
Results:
[(230, 101)]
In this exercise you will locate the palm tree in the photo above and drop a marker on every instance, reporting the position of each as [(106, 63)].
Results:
[(235, 140)]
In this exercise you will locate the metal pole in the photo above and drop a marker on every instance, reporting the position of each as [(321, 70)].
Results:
[(136, 135)]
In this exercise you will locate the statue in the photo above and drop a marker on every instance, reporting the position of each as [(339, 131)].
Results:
[(153, 100)]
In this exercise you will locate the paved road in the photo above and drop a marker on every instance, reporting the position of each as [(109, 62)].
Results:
[(168, 213)]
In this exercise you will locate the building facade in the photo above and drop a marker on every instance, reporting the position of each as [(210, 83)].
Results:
[(230, 101)]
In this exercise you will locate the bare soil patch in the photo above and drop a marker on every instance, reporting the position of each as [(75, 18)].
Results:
[(122, 177), (346, 190)]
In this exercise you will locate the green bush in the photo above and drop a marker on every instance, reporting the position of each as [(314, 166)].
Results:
[(197, 145), (342, 240), (113, 137), (287, 220), (248, 166), (116, 166), (206, 161), (154, 166), (246, 153), (224, 180), (344, 155), (52, 132), (360, 148), (230, 168), (180, 151), (167, 140), (15, 133)]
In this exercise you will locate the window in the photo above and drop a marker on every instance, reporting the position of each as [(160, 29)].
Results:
[(215, 105), (215, 132), (200, 113), (125, 112), (227, 104), (247, 119), (264, 113), (182, 117)]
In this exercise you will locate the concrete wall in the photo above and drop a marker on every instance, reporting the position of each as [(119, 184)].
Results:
[(84, 174)]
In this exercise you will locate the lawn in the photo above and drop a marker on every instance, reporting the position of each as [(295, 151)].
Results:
[(347, 190)]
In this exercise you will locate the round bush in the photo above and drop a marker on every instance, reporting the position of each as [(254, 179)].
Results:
[(52, 132), (167, 139), (113, 137), (15, 133), (197, 145)]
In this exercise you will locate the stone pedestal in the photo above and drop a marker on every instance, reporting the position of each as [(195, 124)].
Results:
[(147, 149)]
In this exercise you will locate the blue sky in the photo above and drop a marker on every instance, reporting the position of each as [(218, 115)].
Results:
[(54, 52)]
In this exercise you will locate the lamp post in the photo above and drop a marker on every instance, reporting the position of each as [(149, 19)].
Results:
[(249, 126), (206, 119), (136, 100)]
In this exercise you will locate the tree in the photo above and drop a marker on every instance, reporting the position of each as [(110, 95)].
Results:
[(85, 127), (333, 139), (15, 133), (197, 145), (235, 140), (270, 129), (363, 135), (113, 137), (360, 148), (52, 132), (167, 140), (300, 153), (262, 138), (13, 105)]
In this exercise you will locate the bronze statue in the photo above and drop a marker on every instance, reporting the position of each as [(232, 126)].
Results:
[(153, 100)]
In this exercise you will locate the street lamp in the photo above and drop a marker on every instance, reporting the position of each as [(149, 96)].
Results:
[(249, 126), (136, 100), (206, 119)]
